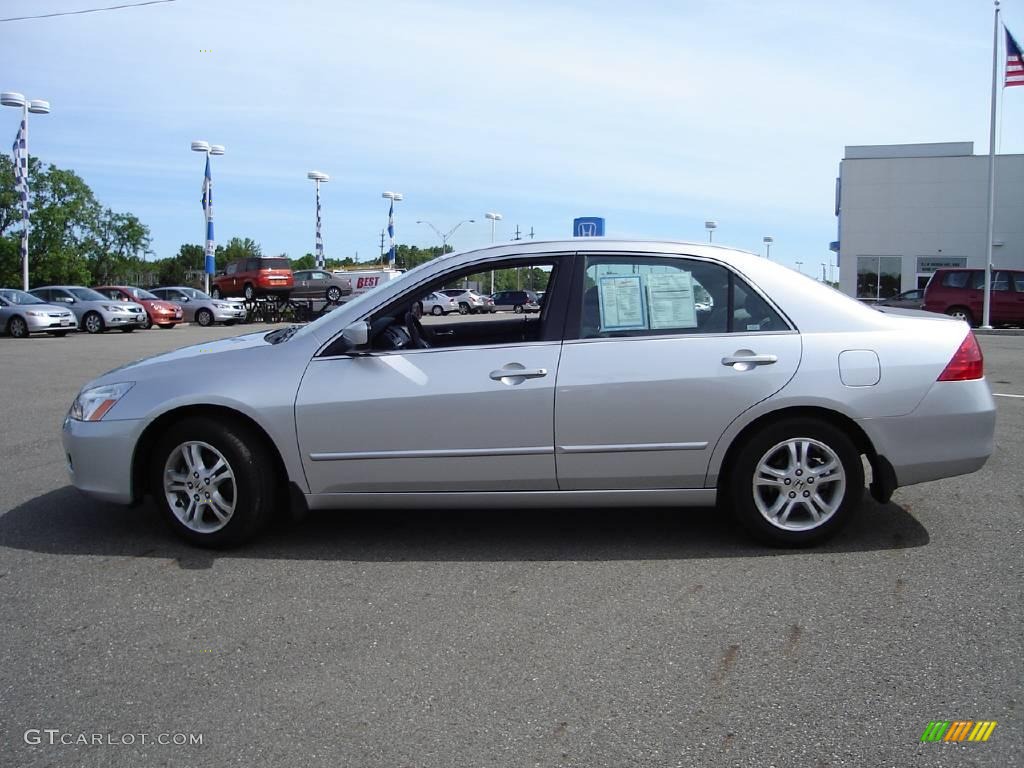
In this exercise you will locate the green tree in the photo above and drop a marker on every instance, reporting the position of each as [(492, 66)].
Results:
[(237, 248)]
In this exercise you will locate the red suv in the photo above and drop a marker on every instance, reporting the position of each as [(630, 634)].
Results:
[(260, 276), (961, 293)]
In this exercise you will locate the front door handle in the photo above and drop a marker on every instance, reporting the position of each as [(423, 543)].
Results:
[(745, 360), (514, 373)]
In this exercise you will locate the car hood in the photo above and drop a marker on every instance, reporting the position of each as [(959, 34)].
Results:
[(212, 353)]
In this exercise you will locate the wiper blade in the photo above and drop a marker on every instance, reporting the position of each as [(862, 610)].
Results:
[(281, 334)]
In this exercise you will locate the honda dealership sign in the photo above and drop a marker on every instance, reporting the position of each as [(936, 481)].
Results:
[(588, 226)]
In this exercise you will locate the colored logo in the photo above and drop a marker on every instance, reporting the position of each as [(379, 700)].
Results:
[(958, 730)]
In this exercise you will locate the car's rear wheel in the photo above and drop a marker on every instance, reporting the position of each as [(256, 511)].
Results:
[(961, 313), (518, 309), (215, 293), (334, 294), (204, 317), (94, 323), (17, 328), (463, 308), (436, 310), (796, 482), (214, 483), (249, 292)]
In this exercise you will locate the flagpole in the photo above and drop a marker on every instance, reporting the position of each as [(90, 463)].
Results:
[(990, 229), (25, 214)]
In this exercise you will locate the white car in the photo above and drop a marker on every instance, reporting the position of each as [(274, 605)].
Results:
[(470, 302), (438, 304)]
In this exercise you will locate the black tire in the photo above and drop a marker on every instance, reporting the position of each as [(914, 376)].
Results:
[(436, 310), (147, 323), (334, 294), (58, 334), (518, 309), (216, 294), (962, 312), (254, 488), (165, 326), (463, 308), (738, 487), (204, 317), (127, 329), (229, 322), (17, 328), (249, 292), (93, 322)]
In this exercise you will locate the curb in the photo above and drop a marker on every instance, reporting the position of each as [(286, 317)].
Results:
[(999, 331)]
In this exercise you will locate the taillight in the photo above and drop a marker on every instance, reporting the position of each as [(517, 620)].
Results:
[(967, 362)]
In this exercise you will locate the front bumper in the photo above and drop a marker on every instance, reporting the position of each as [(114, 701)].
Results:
[(951, 432), (99, 456), (48, 323), (119, 320), (234, 314)]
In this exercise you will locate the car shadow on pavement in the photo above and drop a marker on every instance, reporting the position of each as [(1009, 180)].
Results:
[(65, 522)]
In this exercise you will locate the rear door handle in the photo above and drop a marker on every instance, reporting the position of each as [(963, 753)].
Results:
[(749, 361)]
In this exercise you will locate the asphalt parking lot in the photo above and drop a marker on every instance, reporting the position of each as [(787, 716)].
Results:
[(584, 638)]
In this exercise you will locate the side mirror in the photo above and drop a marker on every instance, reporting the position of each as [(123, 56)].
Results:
[(183, 299), (357, 335)]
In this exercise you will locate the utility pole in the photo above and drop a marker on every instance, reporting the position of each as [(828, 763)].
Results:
[(518, 235), (531, 233)]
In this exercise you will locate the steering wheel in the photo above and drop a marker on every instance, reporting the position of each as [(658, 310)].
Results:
[(416, 330)]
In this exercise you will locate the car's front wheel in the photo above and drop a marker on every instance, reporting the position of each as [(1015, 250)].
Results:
[(796, 482), (147, 322), (214, 483), (17, 328), (94, 323), (204, 317)]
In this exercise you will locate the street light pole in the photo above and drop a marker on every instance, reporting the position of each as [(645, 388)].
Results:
[(317, 177), (768, 240), (799, 266), (210, 266), (36, 107), (711, 226), (494, 217), (394, 197)]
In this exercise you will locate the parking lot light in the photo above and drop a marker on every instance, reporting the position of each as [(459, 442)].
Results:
[(711, 226), (317, 177), (210, 265), (768, 240)]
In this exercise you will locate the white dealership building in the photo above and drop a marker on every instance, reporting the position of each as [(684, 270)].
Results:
[(906, 210)]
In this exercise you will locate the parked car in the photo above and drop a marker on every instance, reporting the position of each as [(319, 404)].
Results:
[(960, 293), (95, 312), (253, 278), (470, 302), (22, 313), (163, 314), (438, 304), (768, 404), (517, 301), (907, 300), (321, 284), (197, 307)]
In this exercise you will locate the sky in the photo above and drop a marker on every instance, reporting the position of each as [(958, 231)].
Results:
[(655, 115)]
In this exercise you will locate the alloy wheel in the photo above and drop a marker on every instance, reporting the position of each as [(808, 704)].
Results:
[(18, 328), (200, 487), (799, 484)]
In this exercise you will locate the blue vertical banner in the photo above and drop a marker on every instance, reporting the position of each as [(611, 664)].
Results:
[(211, 263)]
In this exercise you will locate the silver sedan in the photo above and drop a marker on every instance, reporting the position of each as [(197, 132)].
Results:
[(96, 313), (22, 313), (200, 308), (620, 392)]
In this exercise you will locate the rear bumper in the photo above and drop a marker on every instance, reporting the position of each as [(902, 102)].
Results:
[(951, 432), (99, 457)]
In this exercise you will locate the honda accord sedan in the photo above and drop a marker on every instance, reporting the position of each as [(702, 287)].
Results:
[(618, 393)]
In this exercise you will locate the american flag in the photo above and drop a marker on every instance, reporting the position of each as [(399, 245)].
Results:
[(20, 154), (207, 201), (319, 239), (391, 233), (1014, 62)]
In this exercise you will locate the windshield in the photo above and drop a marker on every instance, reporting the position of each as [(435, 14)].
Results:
[(14, 296), (192, 293), (87, 294), (138, 293)]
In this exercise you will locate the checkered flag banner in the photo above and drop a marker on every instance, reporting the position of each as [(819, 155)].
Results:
[(319, 240), (19, 152)]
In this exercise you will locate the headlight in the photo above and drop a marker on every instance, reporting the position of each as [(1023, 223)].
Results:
[(223, 306), (92, 404), (34, 313), (113, 308)]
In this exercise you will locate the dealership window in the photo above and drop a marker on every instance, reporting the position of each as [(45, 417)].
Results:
[(879, 277), (926, 266)]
